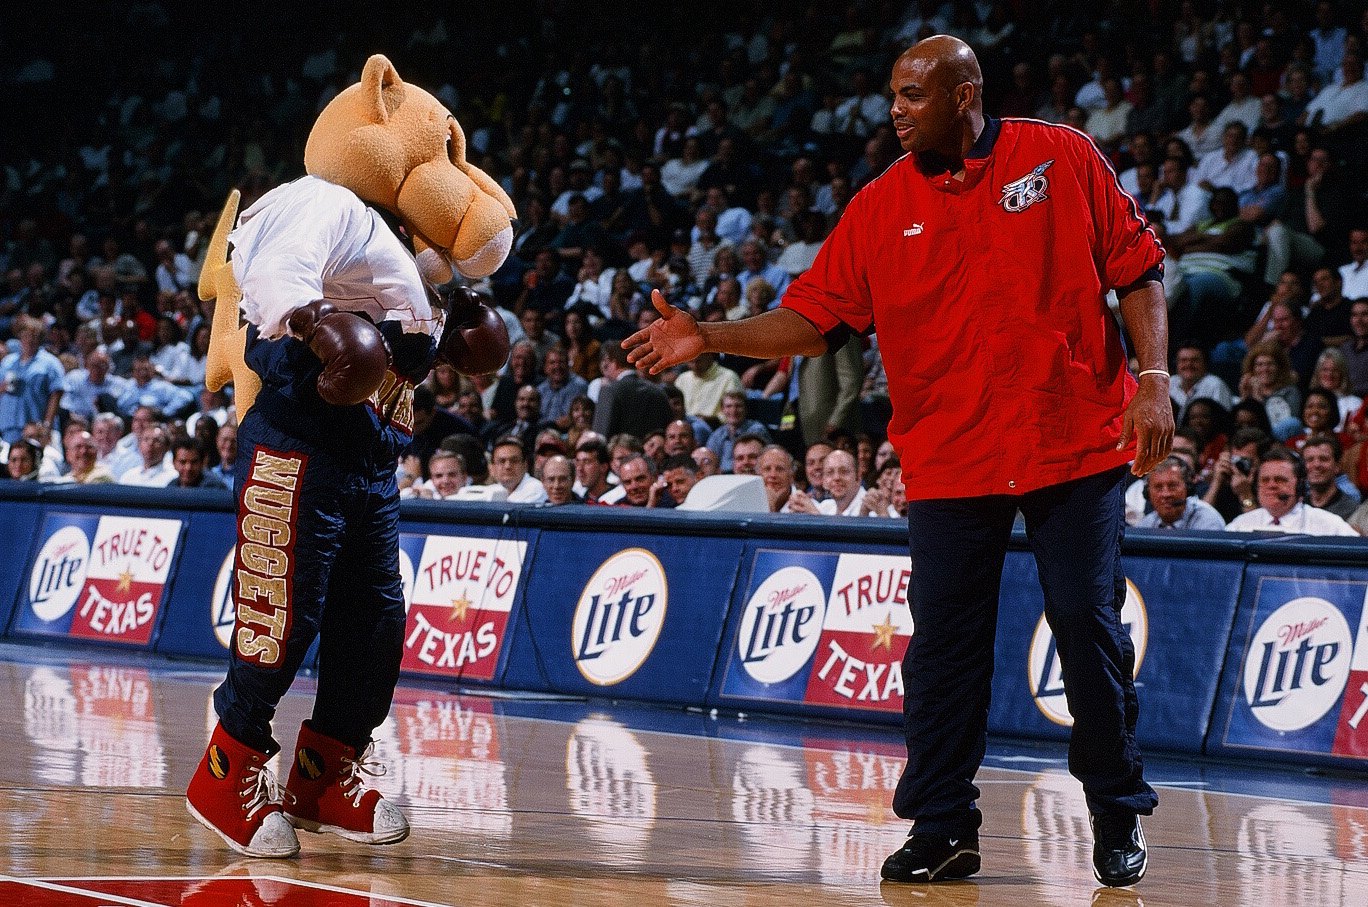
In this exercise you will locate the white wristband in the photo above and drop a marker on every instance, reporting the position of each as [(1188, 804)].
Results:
[(1154, 371)]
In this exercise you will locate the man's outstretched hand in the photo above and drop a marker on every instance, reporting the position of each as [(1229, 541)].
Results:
[(673, 338)]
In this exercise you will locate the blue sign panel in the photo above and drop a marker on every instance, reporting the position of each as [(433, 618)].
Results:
[(1296, 678)]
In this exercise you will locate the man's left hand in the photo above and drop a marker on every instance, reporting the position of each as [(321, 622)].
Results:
[(1149, 420)]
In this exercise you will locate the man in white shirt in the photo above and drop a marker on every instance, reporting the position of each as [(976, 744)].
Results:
[(1344, 103), (1355, 273), (154, 471), (1234, 166), (842, 481), (1280, 487), (1243, 107), (1181, 204), (508, 467), (1191, 379), (777, 470)]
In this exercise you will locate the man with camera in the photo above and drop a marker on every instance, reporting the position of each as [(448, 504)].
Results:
[(1281, 487)]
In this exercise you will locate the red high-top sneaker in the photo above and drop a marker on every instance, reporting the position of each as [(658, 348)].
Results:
[(236, 797), (327, 792)]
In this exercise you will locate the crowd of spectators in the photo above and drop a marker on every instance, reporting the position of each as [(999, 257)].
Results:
[(705, 155)]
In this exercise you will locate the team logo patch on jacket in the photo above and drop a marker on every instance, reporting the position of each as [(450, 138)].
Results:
[(1018, 195)]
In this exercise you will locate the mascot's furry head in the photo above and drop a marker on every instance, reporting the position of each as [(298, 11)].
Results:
[(397, 147)]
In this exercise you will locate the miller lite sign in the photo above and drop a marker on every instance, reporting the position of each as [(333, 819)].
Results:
[(459, 599), (1045, 674), (99, 577), (781, 625), (619, 617), (1302, 684)]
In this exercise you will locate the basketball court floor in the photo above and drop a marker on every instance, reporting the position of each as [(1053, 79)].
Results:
[(547, 801)]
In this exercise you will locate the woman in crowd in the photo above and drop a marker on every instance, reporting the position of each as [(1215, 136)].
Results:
[(583, 350), (1332, 373), (1268, 378), (1211, 422)]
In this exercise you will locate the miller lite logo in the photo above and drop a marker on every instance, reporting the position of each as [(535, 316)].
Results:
[(619, 617), (59, 573), (1297, 664), (1045, 673), (1018, 195), (781, 625)]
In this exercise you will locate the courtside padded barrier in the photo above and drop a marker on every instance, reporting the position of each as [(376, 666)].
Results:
[(1246, 646)]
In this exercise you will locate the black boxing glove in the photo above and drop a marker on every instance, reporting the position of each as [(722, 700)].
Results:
[(475, 339), (352, 351)]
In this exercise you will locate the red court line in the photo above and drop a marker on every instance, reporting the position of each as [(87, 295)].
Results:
[(48, 894), (244, 891)]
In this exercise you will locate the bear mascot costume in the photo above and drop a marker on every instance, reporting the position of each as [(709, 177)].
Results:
[(325, 319)]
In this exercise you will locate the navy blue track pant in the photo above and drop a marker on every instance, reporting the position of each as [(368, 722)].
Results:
[(317, 556), (958, 548)]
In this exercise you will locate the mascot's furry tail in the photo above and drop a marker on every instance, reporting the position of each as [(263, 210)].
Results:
[(227, 335)]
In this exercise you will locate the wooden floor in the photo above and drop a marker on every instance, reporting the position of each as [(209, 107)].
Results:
[(568, 803)]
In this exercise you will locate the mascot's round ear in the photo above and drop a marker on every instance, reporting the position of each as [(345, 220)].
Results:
[(379, 78)]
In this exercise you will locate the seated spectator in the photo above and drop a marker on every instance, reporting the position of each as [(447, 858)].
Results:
[(842, 483), (25, 459), (1354, 274), (1355, 349), (1319, 415), (447, 475), (171, 355), (1191, 380), (702, 428), (581, 420), (637, 473), (1210, 422), (147, 389), (1327, 486), (886, 496), (191, 461), (1107, 123), (580, 345), (1175, 202), (678, 474), (1268, 378), (680, 439), (1302, 348), (557, 477), (154, 469), (1231, 488), (92, 389), (1212, 259), (508, 467), (735, 423), (755, 264), (591, 471), (1332, 374), (560, 387), (1341, 108), (526, 423), (1169, 487), (777, 469), (708, 464), (225, 443), (1233, 167), (83, 463), (1278, 483), (746, 455), (1328, 319)]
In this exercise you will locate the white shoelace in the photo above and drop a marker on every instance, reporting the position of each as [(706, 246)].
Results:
[(352, 783), (263, 789)]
